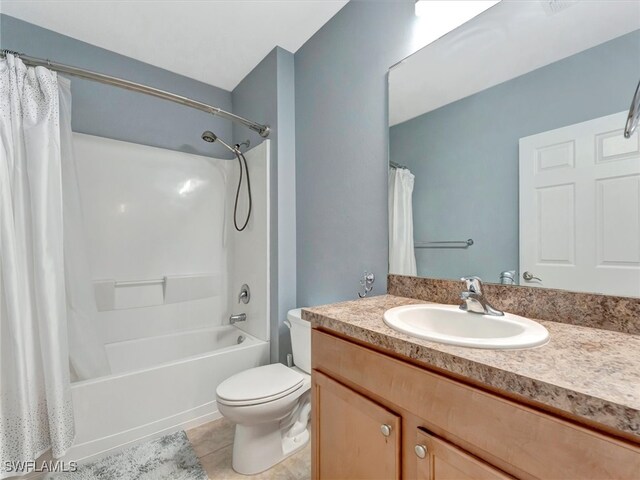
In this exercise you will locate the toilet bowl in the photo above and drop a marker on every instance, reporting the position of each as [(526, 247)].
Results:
[(270, 405)]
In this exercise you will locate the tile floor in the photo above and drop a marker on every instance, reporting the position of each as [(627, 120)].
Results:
[(213, 444)]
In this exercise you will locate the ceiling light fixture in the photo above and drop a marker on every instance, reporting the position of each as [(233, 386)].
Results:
[(439, 17)]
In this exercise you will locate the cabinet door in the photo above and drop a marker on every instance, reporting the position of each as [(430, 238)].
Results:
[(354, 437), (439, 460)]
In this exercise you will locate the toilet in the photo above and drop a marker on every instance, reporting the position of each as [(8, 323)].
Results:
[(270, 405)]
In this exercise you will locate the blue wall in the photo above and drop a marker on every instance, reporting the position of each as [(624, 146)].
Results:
[(119, 114), (267, 93), (471, 146), (342, 147), (286, 178)]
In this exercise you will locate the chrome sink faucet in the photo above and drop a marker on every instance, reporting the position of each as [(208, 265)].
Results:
[(240, 317), (473, 301)]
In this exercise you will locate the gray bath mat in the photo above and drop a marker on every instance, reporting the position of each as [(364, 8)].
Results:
[(168, 458)]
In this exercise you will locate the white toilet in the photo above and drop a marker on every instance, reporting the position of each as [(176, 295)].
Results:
[(270, 405)]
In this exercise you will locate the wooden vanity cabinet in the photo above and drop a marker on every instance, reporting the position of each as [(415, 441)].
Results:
[(355, 437), (370, 412)]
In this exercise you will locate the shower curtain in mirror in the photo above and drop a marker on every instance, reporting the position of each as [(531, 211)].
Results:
[(402, 258), (35, 398)]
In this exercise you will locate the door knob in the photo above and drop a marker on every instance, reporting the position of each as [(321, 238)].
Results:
[(421, 451), (528, 276), (385, 429)]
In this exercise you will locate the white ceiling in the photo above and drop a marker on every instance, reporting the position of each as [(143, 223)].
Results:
[(216, 42), (508, 40)]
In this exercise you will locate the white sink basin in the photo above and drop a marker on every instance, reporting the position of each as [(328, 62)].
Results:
[(449, 324)]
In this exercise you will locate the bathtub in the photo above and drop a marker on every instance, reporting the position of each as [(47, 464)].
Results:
[(158, 385)]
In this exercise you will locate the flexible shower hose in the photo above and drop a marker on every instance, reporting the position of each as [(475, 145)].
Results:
[(240, 156)]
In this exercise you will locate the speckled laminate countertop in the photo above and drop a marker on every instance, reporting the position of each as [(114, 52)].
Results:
[(588, 372)]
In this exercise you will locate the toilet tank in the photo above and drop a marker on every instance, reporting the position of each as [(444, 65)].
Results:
[(300, 331)]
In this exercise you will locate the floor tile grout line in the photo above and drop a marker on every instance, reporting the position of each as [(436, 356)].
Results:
[(216, 450), (220, 447)]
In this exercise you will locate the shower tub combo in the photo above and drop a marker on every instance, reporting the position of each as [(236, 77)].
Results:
[(163, 305)]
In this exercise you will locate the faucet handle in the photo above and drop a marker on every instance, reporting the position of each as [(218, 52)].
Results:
[(473, 284), (245, 294)]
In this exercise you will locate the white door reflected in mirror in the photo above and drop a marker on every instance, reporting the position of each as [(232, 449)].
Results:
[(580, 207)]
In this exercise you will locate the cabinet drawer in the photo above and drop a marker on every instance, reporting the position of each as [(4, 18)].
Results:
[(353, 437), (516, 438), (437, 459)]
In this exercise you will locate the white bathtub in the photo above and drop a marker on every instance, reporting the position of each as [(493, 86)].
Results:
[(159, 385)]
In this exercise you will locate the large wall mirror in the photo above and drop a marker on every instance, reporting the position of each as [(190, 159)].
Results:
[(507, 154)]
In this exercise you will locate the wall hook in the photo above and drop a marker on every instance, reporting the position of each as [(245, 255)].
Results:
[(366, 283)]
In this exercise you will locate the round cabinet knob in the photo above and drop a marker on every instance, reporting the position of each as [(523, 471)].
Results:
[(421, 451), (385, 429)]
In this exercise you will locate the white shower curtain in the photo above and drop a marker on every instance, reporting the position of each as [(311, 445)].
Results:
[(86, 351), (35, 399), (402, 258)]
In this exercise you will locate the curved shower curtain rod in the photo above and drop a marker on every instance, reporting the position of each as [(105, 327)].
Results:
[(263, 130), (634, 114)]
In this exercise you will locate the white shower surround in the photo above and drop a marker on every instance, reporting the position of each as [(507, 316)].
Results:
[(152, 213)]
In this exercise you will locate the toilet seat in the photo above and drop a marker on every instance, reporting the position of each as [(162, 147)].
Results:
[(259, 385)]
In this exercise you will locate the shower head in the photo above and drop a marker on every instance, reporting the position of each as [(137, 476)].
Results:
[(209, 137)]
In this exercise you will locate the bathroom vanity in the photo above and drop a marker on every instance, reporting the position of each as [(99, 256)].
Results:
[(388, 405)]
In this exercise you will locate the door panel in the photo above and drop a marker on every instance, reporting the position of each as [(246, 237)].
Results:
[(556, 225), (349, 439), (618, 222)]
